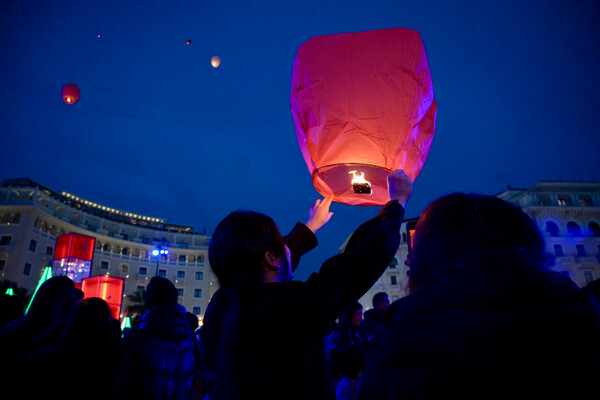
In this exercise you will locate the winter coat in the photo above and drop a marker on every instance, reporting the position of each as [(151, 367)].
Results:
[(268, 339), (373, 318), (512, 333), (158, 357)]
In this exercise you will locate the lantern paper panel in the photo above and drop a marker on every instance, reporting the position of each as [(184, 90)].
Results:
[(70, 93), (73, 256), (362, 104), (108, 288)]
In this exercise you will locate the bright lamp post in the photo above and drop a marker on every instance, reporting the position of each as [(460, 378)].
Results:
[(159, 252)]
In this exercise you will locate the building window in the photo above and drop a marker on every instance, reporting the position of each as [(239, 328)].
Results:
[(143, 271), (5, 240), (125, 251), (140, 289), (197, 292), (2, 265), (105, 247), (393, 280), (179, 292), (565, 201), (558, 251), (104, 264), (27, 269), (182, 258), (573, 228), (124, 268), (586, 201), (162, 272), (180, 274), (588, 276), (197, 310), (552, 228), (543, 200), (394, 263), (581, 250), (199, 275), (200, 259), (49, 250), (594, 228), (32, 245)]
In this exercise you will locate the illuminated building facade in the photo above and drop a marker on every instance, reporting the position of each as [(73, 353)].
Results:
[(32, 217), (568, 216)]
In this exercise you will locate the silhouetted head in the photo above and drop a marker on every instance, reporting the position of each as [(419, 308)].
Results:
[(381, 301), (52, 303), (239, 244), (160, 291), (193, 320), (472, 233), (11, 308), (352, 316)]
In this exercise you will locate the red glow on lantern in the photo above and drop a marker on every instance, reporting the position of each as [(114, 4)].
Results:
[(70, 93), (108, 288), (188, 42), (362, 105)]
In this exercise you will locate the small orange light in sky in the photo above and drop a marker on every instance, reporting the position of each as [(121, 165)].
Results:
[(188, 42), (215, 61)]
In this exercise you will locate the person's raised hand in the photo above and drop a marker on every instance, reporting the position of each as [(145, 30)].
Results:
[(399, 186), (319, 214)]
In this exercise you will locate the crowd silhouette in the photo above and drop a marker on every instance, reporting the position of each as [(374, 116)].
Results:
[(486, 318)]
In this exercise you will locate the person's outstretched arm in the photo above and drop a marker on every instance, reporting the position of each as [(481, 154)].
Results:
[(302, 238)]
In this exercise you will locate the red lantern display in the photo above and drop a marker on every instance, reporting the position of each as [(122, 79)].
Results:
[(108, 288), (70, 93), (73, 256), (363, 106)]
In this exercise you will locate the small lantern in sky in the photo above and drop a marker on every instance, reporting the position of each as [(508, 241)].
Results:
[(215, 61), (188, 42), (70, 93), (363, 106)]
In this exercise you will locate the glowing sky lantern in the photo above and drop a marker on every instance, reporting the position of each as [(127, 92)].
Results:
[(188, 42), (215, 61), (363, 106), (70, 93)]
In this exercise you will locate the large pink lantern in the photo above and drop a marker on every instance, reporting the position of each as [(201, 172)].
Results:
[(363, 106)]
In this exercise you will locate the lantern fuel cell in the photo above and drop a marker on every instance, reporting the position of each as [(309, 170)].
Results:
[(359, 184), (362, 102)]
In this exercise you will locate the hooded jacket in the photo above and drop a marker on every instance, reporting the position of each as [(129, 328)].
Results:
[(158, 357)]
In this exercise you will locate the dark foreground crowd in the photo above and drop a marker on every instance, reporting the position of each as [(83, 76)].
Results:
[(485, 319)]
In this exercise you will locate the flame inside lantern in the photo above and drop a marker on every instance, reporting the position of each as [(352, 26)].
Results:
[(359, 183)]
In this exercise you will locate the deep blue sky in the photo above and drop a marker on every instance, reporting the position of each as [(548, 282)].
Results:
[(159, 132)]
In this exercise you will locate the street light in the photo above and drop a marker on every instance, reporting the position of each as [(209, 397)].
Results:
[(159, 252)]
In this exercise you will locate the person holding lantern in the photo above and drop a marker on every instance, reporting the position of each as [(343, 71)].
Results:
[(256, 340)]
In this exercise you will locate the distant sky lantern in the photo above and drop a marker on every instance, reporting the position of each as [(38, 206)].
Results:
[(188, 42), (363, 106), (215, 61), (70, 93)]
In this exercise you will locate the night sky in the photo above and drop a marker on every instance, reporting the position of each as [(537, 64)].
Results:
[(158, 131)]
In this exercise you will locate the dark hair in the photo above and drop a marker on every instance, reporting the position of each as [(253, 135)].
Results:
[(51, 304), (379, 298), (346, 316), (238, 246), (472, 233), (160, 291)]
